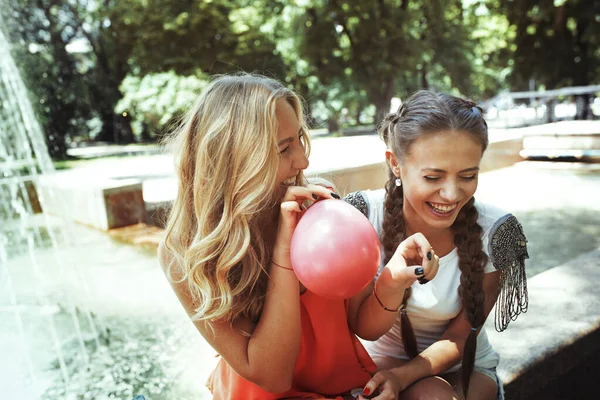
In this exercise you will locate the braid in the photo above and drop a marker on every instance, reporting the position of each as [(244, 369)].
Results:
[(429, 113), (471, 261), (393, 220), (394, 233), (386, 126)]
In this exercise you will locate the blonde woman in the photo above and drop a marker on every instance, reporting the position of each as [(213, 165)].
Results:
[(240, 153)]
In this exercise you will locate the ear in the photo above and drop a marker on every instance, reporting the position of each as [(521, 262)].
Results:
[(392, 162)]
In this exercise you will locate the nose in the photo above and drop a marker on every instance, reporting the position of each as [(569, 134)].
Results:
[(450, 192), (300, 161)]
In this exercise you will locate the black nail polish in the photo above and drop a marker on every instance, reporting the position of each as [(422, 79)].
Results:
[(422, 280), (419, 271), (315, 196), (335, 195), (429, 255)]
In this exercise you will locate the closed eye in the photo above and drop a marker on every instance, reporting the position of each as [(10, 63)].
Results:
[(469, 178), (431, 178)]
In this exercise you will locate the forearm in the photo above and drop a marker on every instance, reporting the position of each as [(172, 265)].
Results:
[(434, 360), (275, 342), (379, 310)]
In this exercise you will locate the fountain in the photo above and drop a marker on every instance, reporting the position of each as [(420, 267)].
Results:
[(36, 309)]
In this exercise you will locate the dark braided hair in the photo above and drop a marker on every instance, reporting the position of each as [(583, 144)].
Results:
[(426, 112)]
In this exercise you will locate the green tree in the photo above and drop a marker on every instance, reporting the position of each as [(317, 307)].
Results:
[(387, 47), (121, 38), (557, 42), (156, 101), (493, 45), (39, 34)]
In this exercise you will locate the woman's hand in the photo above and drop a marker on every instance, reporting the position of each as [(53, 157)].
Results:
[(414, 259), (291, 211), (388, 384)]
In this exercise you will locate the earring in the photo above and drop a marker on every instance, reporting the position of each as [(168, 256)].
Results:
[(398, 182)]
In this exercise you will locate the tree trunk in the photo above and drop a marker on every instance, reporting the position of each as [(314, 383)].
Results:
[(115, 129), (332, 123), (359, 111), (424, 82), (122, 128), (57, 147), (382, 100)]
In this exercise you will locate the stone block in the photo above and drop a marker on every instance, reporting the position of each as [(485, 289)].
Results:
[(347, 180), (500, 154), (101, 203)]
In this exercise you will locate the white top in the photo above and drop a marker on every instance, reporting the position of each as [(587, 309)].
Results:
[(432, 306)]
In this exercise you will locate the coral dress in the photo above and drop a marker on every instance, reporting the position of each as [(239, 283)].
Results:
[(331, 362)]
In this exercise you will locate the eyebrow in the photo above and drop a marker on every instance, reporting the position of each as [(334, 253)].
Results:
[(288, 140), (441, 170)]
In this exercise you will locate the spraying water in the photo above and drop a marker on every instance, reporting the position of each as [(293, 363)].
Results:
[(35, 312)]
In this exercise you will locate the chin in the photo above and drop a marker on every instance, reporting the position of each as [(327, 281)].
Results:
[(441, 224)]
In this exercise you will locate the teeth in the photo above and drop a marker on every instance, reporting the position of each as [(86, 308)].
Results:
[(443, 208), (290, 181)]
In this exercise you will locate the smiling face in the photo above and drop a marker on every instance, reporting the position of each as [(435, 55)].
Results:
[(292, 154), (439, 175)]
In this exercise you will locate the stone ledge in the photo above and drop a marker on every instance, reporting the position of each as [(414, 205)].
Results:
[(499, 154), (144, 235), (558, 334), (103, 204)]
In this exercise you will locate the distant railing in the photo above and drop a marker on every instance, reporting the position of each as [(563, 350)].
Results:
[(508, 109)]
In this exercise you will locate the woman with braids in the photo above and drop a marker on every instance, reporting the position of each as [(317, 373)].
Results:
[(435, 143), (240, 154)]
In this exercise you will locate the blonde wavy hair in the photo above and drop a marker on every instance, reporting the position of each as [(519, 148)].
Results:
[(227, 157)]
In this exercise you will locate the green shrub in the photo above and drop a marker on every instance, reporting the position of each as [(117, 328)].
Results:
[(155, 101)]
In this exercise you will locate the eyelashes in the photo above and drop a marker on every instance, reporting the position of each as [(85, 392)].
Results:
[(300, 136), (464, 178)]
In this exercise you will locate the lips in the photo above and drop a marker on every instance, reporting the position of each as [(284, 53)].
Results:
[(289, 181), (441, 208)]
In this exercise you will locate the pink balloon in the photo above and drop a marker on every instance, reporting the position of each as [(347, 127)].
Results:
[(335, 250)]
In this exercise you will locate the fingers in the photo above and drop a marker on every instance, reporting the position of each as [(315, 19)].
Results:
[(415, 248), (431, 265), (386, 393), (308, 192), (372, 385), (323, 192), (291, 211), (413, 260)]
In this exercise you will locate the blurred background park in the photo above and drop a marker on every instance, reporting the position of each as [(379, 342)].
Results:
[(89, 87)]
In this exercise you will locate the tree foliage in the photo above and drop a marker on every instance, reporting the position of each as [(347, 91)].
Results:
[(557, 42), (38, 31), (156, 101), (84, 59), (385, 48)]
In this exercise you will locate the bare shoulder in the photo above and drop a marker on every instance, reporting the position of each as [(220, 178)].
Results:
[(165, 257), (175, 274)]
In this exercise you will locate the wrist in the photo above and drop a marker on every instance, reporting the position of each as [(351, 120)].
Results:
[(405, 376), (281, 255), (387, 285)]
